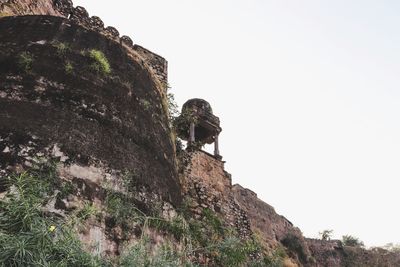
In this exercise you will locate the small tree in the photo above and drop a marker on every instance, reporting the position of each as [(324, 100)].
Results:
[(352, 241), (326, 234)]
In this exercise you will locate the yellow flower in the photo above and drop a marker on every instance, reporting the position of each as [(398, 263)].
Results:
[(52, 228)]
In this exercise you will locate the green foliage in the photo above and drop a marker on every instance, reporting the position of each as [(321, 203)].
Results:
[(100, 62), (351, 241), (172, 105), (119, 207), (69, 68), (25, 61), (274, 258), (141, 255), (87, 211), (62, 48), (326, 234), (212, 220), (232, 251), (29, 237), (66, 188), (177, 226), (294, 244), (130, 180)]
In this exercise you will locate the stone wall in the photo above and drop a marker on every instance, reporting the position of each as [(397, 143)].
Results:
[(64, 8), (115, 121), (207, 185), (157, 63), (272, 226)]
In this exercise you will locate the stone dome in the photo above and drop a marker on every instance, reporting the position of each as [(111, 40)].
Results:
[(196, 104)]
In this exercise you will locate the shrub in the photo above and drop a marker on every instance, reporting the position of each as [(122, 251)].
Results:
[(275, 258), (28, 237), (122, 210), (326, 234), (100, 62), (87, 211), (69, 68), (352, 241), (141, 255), (62, 48), (25, 61), (294, 244), (232, 252)]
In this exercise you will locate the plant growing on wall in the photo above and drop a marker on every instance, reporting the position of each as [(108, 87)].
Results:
[(100, 62), (25, 61), (326, 234), (31, 237), (352, 241)]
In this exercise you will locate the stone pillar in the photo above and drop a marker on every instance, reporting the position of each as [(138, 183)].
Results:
[(191, 133), (216, 146)]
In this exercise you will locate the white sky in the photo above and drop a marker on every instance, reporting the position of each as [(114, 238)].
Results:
[(307, 93)]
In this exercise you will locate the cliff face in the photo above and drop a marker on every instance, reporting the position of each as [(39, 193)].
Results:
[(75, 94)]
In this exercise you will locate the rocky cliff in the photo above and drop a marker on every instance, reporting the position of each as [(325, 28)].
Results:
[(84, 121)]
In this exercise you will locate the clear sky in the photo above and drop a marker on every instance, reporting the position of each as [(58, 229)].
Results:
[(308, 93)]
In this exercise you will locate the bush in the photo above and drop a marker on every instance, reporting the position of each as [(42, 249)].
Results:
[(29, 237), (62, 48), (121, 209), (326, 234), (275, 258), (100, 62), (32, 236), (352, 241), (141, 255), (293, 243)]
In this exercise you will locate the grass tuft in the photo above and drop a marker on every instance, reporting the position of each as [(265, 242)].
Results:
[(100, 62), (25, 61), (69, 68)]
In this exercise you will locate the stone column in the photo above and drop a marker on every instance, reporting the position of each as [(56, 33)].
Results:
[(216, 146), (191, 133)]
